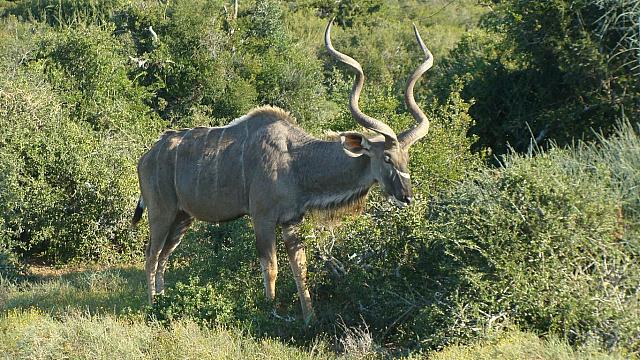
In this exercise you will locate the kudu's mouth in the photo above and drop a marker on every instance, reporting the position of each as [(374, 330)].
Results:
[(399, 203)]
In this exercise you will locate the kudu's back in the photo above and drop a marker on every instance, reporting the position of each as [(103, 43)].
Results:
[(217, 174)]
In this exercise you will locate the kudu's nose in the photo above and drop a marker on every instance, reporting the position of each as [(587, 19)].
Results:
[(408, 200)]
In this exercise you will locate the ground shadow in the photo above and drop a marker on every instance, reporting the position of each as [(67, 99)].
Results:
[(115, 290)]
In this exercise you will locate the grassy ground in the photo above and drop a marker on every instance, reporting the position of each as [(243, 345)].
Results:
[(34, 335), (96, 313), (94, 291)]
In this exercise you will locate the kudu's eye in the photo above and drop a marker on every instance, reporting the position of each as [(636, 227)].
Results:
[(387, 159)]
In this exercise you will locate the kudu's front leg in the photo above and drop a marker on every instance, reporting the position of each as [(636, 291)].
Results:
[(298, 262)]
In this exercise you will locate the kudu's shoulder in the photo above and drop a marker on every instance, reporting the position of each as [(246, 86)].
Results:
[(249, 125), (262, 115), (270, 112)]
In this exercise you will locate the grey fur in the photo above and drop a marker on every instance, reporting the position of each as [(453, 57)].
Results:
[(264, 166)]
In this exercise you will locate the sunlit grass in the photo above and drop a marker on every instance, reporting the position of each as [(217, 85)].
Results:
[(34, 335), (516, 345), (100, 313), (92, 290)]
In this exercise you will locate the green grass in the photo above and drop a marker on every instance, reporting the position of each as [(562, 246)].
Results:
[(100, 313), (95, 313), (33, 334), (518, 345), (117, 291)]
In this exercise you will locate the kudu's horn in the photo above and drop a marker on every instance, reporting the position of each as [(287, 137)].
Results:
[(366, 121), (412, 135)]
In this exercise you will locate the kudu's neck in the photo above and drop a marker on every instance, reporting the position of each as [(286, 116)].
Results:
[(329, 177)]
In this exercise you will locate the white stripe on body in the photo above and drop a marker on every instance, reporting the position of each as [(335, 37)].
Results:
[(217, 159), (175, 165), (204, 155), (244, 143)]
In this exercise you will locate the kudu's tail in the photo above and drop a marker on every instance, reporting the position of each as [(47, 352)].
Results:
[(137, 215)]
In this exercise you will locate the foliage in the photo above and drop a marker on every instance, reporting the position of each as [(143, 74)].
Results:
[(87, 67), (11, 268), (204, 62), (549, 243), (185, 59), (64, 12), (192, 300), (66, 194), (67, 187), (346, 12), (617, 26), (552, 71)]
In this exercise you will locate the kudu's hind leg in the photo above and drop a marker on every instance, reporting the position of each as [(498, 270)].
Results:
[(298, 262), (178, 228), (159, 226), (266, 246)]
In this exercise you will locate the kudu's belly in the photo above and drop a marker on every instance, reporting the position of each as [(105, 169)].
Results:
[(213, 205), (211, 184)]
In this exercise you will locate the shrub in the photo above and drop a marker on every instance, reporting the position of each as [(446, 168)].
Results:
[(65, 194), (554, 71), (88, 68), (540, 243), (65, 12), (548, 242), (203, 63), (11, 268), (194, 301), (190, 65)]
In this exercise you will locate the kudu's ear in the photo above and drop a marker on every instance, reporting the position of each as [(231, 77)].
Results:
[(354, 144)]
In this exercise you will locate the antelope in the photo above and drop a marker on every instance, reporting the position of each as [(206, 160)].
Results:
[(264, 166)]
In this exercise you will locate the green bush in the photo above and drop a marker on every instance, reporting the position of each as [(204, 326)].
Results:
[(89, 69), (541, 243), (549, 243), (287, 74), (64, 12), (204, 63), (11, 268), (65, 193), (194, 301), (553, 71), (190, 65), (72, 126)]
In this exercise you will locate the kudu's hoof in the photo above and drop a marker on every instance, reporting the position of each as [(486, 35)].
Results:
[(286, 318), (310, 319)]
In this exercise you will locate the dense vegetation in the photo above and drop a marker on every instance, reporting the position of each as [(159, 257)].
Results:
[(554, 71), (511, 229)]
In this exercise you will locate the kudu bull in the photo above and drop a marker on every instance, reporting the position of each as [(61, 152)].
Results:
[(264, 166)]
